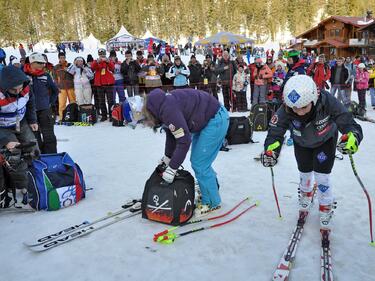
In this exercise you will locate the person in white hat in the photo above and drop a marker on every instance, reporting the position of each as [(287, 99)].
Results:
[(314, 120), (361, 79), (45, 92)]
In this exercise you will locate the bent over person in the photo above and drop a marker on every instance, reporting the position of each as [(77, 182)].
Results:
[(193, 117)]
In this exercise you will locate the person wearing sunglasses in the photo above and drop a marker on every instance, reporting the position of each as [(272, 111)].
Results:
[(18, 120)]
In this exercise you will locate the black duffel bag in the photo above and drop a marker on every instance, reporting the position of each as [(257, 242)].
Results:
[(169, 203)]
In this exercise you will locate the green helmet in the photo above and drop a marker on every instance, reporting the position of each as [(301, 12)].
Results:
[(292, 53)]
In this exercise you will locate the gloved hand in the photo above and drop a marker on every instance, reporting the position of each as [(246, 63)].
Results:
[(169, 174), (348, 144), (269, 158), (163, 164)]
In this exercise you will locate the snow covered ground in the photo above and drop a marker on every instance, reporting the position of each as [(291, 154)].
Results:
[(116, 163)]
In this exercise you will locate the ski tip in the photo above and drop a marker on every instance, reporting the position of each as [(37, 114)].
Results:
[(257, 203), (372, 244), (280, 218)]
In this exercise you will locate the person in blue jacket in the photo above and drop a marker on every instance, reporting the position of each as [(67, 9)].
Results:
[(45, 92), (179, 73), (190, 117), (2, 56)]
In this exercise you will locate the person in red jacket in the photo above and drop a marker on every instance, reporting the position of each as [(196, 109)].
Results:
[(104, 81), (320, 72)]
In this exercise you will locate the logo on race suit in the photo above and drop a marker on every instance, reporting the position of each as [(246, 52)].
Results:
[(325, 130), (172, 128), (274, 119), (321, 157), (293, 96), (296, 124), (323, 188)]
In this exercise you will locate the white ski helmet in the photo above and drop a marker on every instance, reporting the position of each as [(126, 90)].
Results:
[(299, 91)]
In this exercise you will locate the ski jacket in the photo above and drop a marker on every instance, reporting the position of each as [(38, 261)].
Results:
[(295, 69), (329, 115), (195, 76), (181, 78), (277, 80), (82, 76), (164, 79), (130, 72), (344, 76), (13, 107), (103, 73), (209, 72), (63, 79), (226, 75), (320, 74), (262, 74), (182, 112), (361, 78), (45, 91), (371, 81), (240, 81)]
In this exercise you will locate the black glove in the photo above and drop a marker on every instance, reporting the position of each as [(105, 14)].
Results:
[(269, 158)]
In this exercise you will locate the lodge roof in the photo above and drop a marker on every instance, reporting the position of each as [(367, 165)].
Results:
[(355, 21)]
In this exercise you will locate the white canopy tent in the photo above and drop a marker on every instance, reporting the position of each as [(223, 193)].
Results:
[(122, 39), (91, 42)]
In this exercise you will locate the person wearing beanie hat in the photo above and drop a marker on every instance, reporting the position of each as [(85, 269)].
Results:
[(210, 76), (103, 79), (17, 122), (130, 70), (296, 65), (179, 73), (196, 73), (315, 120), (361, 79), (153, 74), (277, 81), (118, 87)]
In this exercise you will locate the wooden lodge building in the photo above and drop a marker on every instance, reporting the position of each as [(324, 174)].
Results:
[(339, 36)]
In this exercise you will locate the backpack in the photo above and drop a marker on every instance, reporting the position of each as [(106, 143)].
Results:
[(117, 115), (169, 203), (87, 113), (70, 113), (259, 117), (55, 182), (239, 130)]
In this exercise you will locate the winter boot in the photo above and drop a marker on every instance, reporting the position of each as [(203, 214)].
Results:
[(326, 213), (305, 200)]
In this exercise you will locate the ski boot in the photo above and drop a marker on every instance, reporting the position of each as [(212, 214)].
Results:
[(326, 213), (305, 200), (204, 209)]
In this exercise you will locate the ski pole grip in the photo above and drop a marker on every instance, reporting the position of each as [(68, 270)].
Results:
[(269, 153), (344, 137), (157, 235)]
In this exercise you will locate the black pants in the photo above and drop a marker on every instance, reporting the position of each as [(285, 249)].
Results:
[(2, 60), (46, 135), (226, 95), (362, 98), (240, 103), (319, 159), (103, 93)]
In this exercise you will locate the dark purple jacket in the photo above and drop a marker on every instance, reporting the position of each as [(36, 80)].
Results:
[(182, 111)]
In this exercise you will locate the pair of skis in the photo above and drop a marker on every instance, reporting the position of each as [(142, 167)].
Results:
[(168, 236), (284, 267), (70, 233)]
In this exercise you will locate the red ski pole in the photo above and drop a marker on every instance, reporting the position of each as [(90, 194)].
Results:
[(367, 195), (344, 138), (269, 153)]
